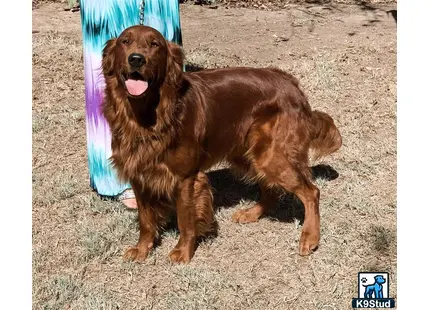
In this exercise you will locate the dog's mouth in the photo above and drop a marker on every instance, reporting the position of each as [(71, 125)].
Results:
[(135, 83)]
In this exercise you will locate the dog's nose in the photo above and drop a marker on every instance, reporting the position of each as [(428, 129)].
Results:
[(136, 60)]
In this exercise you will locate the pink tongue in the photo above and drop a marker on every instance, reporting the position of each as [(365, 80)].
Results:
[(136, 87)]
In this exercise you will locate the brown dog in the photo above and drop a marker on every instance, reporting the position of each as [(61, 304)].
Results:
[(168, 127)]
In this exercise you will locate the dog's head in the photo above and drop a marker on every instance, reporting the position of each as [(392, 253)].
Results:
[(379, 279), (141, 59)]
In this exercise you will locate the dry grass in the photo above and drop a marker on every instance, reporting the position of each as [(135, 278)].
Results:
[(347, 65)]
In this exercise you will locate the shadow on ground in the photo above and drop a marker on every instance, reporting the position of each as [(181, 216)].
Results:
[(229, 191)]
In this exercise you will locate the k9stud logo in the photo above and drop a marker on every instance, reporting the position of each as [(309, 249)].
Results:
[(373, 291)]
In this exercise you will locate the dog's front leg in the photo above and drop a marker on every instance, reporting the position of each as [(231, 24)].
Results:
[(378, 292), (185, 209), (148, 224)]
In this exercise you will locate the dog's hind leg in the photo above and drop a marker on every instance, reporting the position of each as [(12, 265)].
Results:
[(297, 181), (267, 201), (279, 155), (368, 293)]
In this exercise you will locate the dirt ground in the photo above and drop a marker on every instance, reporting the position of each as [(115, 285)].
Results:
[(345, 58)]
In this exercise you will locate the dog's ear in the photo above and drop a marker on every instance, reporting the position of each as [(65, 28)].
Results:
[(175, 64), (108, 59)]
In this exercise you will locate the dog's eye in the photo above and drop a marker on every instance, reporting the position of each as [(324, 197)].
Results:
[(125, 41), (154, 44)]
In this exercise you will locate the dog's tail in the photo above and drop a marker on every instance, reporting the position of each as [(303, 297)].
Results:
[(326, 136)]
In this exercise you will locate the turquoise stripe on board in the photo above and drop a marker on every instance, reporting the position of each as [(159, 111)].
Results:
[(103, 178), (104, 20)]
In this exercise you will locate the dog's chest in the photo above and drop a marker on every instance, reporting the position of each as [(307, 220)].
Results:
[(146, 168), (159, 180)]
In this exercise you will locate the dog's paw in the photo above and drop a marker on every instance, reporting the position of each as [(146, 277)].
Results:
[(245, 216), (180, 256), (135, 254), (308, 243), (306, 249)]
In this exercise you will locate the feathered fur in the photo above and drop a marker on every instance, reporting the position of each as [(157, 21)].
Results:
[(259, 120)]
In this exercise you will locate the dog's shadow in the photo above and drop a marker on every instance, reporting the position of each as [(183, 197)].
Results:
[(229, 191)]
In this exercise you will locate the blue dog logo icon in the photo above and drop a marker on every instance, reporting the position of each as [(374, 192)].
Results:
[(375, 290), (373, 295)]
